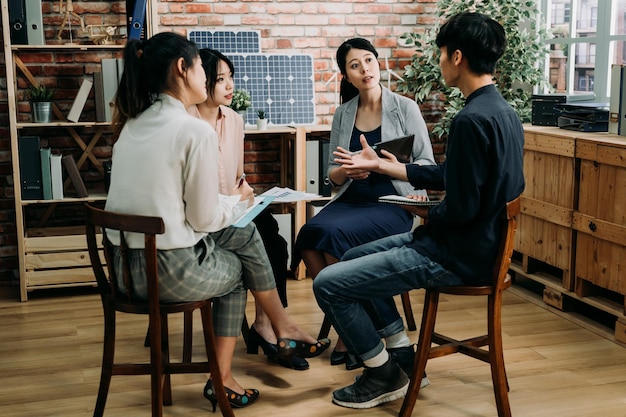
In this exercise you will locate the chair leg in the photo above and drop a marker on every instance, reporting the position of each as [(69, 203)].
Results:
[(427, 328), (496, 356), (156, 365), (325, 329), (165, 355), (408, 311), (187, 336), (108, 354), (216, 376)]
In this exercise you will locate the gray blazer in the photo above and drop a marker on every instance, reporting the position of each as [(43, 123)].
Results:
[(401, 117)]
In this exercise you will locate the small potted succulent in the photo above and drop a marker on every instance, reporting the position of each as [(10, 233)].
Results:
[(261, 121), (40, 98), (241, 101)]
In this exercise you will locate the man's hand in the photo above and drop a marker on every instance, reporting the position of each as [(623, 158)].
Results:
[(356, 163), (418, 211)]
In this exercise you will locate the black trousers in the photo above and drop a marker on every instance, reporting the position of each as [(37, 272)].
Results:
[(276, 248)]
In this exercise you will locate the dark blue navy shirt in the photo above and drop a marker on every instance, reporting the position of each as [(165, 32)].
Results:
[(482, 171)]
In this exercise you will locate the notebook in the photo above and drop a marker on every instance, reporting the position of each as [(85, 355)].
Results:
[(260, 204), (398, 199), (400, 147)]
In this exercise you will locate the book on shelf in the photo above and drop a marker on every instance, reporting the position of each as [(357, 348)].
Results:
[(80, 100), (74, 174), (98, 96), (111, 75), (30, 167), (46, 179), (56, 174)]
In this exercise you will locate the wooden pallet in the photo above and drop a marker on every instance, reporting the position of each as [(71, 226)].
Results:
[(555, 296)]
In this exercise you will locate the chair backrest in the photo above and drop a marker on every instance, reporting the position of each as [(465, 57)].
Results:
[(97, 220), (505, 251)]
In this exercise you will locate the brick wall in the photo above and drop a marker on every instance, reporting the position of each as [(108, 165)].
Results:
[(313, 27)]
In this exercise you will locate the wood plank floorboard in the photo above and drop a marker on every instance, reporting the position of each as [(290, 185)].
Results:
[(51, 347)]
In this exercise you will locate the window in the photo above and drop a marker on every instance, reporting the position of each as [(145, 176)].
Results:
[(589, 37)]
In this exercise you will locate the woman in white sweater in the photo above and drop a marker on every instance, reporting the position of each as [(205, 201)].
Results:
[(165, 163)]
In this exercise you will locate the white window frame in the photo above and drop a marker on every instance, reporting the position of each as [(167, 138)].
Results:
[(603, 52)]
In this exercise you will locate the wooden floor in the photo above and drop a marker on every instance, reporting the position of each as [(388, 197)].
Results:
[(50, 352)]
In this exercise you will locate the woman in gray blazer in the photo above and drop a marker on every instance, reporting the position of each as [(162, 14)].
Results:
[(354, 216)]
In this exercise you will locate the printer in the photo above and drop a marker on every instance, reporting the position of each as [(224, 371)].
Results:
[(583, 117)]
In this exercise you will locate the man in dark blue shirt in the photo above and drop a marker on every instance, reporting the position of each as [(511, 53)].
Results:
[(483, 170)]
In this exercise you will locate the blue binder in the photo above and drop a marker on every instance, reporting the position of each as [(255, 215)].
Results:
[(137, 19)]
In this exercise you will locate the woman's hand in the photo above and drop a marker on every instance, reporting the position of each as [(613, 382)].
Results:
[(365, 160), (245, 191)]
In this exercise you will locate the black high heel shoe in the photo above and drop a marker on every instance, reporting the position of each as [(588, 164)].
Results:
[(255, 340), (236, 400), (288, 348), (271, 351)]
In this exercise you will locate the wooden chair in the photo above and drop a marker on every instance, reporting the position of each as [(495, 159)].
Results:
[(470, 347), (113, 300)]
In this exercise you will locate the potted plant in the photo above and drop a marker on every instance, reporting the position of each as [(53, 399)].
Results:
[(261, 121), (40, 98), (516, 73), (241, 101)]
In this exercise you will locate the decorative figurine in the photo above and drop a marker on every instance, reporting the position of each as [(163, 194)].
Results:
[(69, 13)]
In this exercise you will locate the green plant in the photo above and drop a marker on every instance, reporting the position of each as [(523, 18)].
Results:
[(516, 73), (40, 93), (260, 114), (241, 100)]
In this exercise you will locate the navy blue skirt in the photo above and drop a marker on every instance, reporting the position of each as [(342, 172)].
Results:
[(342, 225)]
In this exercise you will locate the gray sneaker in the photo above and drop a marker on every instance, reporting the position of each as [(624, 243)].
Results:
[(376, 386), (405, 356)]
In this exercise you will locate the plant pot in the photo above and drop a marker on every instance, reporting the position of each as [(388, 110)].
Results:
[(261, 124), (42, 111), (242, 113)]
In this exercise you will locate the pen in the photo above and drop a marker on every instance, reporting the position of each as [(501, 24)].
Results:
[(241, 179)]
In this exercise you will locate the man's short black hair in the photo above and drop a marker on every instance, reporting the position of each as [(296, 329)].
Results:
[(481, 40)]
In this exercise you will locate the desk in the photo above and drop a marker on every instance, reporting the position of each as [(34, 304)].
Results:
[(293, 165)]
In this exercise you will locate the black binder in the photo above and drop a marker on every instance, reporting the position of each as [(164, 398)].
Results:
[(17, 21), (30, 168)]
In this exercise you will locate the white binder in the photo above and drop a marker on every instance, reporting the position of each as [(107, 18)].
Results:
[(617, 105)]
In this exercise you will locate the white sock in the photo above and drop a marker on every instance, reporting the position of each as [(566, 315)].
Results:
[(397, 340), (378, 360)]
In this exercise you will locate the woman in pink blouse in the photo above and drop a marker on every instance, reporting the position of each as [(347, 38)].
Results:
[(230, 132)]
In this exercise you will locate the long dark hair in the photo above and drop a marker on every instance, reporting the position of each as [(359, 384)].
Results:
[(210, 62), (147, 69), (347, 91)]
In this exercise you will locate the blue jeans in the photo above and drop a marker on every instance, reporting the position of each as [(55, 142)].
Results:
[(356, 294)]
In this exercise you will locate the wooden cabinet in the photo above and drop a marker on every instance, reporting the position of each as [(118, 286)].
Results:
[(572, 230), (545, 223), (601, 216), (292, 160)]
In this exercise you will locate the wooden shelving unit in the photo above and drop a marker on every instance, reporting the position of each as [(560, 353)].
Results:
[(49, 256)]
